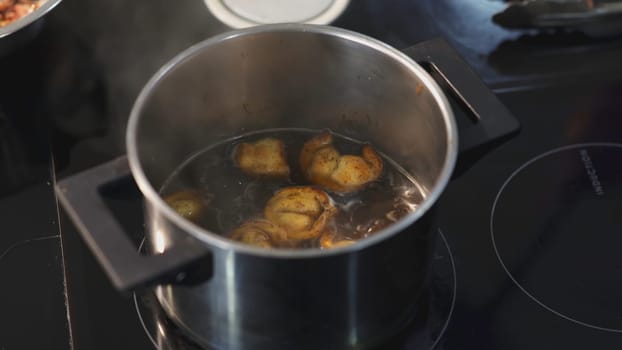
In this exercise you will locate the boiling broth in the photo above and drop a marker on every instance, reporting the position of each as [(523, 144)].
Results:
[(233, 197)]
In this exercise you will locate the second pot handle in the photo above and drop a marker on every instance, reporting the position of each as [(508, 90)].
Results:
[(493, 122), (81, 197)]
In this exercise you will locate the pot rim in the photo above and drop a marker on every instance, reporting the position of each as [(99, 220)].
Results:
[(221, 242)]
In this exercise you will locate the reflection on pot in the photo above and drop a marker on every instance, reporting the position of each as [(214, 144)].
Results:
[(423, 332)]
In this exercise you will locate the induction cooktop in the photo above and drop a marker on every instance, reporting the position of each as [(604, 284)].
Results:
[(527, 250)]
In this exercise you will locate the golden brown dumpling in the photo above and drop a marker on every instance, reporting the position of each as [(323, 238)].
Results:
[(323, 165), (329, 240), (301, 211), (186, 203), (312, 146), (265, 157), (259, 233)]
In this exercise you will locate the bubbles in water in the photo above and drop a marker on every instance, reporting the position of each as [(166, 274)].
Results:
[(235, 197)]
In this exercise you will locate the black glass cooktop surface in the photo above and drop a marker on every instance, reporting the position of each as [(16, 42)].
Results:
[(528, 257), (566, 230)]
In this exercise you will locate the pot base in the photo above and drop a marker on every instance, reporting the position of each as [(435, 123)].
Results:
[(422, 329)]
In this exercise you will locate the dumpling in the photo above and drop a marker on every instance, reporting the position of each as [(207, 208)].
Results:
[(186, 203), (301, 211), (322, 164), (259, 233), (329, 240), (264, 158)]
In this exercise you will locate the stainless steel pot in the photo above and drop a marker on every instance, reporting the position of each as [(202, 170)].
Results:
[(234, 296)]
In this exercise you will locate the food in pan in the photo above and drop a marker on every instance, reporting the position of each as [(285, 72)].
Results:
[(260, 233), (292, 188), (265, 157), (302, 211), (186, 203), (329, 239), (323, 165), (12, 10)]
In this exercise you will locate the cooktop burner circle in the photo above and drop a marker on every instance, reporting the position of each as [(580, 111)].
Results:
[(556, 227), (424, 332)]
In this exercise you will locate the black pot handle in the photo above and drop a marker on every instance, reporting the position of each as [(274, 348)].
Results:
[(81, 196), (491, 123)]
